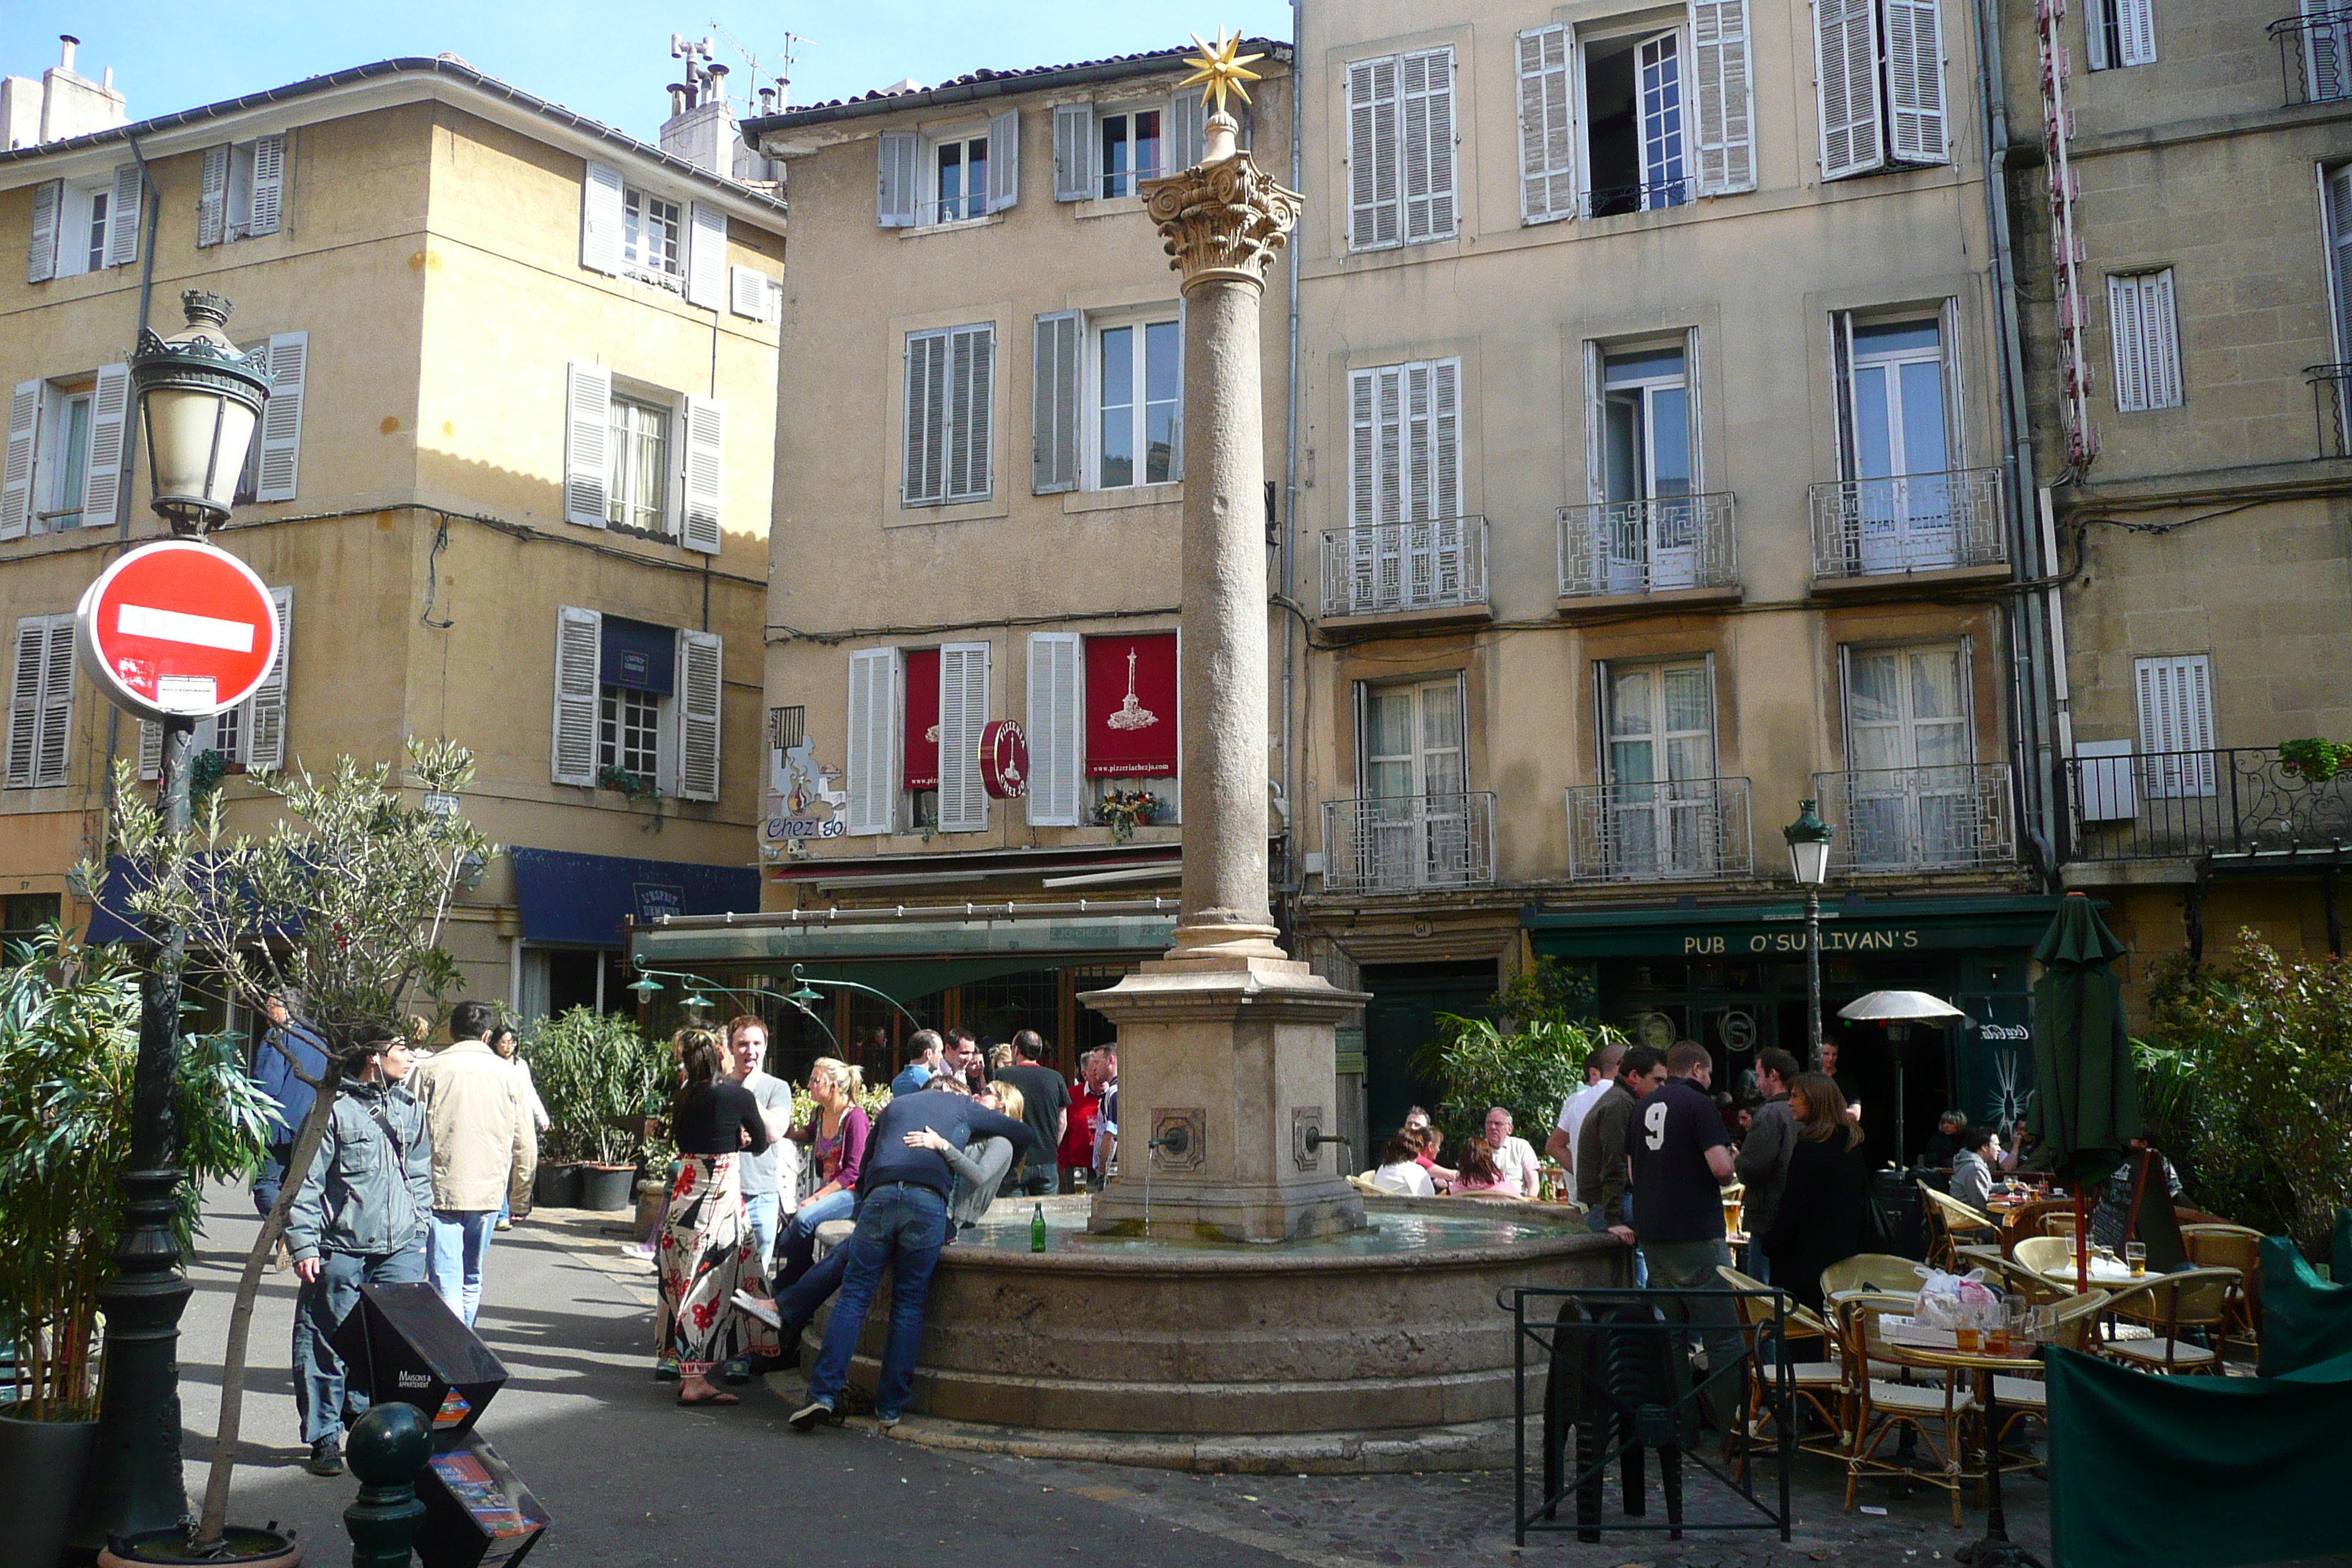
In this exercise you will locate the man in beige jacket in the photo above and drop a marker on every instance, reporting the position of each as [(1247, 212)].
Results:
[(485, 1151)]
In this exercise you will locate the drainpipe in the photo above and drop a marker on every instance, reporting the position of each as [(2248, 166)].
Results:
[(1294, 824)]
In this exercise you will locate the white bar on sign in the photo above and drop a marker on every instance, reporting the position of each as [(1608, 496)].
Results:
[(178, 625)]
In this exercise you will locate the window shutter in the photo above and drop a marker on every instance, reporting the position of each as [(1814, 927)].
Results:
[(973, 390), (706, 257), (2146, 342), (1428, 115), (1915, 81), (1074, 125), (1547, 128), (1372, 217), (925, 476), (110, 418), (600, 220), (2095, 33), (1056, 725), (25, 699), (1003, 160), (2136, 20), (2124, 324), (55, 752), (578, 647), (150, 750), (1054, 404), (2337, 185), (1390, 461), (212, 198), (1443, 447), (264, 727), (746, 293), (1188, 138), (872, 743), (699, 668), (705, 472), (1362, 445), (16, 477), (122, 217), (2160, 327), (896, 181), (2175, 715), (41, 253), (281, 417), (268, 186), (587, 433), (964, 713), (1727, 154), (1845, 84)]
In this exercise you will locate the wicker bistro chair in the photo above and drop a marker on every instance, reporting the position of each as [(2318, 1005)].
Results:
[(2164, 1304), (1872, 1271), (1818, 1384), (1952, 1224), (2074, 1325), (2234, 1247), (1876, 1408)]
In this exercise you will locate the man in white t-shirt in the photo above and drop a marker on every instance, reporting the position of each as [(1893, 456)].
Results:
[(1514, 1162), (1600, 1072), (770, 1177)]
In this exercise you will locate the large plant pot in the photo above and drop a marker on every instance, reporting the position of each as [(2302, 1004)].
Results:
[(556, 1186), (607, 1187), (42, 1464), (245, 1547)]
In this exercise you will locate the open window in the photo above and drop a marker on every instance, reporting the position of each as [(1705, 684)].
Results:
[(643, 459), (956, 173), (64, 466), (1880, 81), (912, 759), (637, 705), (243, 191), (1104, 151)]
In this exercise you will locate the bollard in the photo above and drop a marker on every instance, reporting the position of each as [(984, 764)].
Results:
[(387, 1451)]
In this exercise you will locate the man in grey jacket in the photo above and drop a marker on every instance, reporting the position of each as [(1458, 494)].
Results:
[(359, 1219), (1762, 1163)]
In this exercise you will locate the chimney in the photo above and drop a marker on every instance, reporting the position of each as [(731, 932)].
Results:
[(676, 98), (63, 103), (767, 100), (65, 53)]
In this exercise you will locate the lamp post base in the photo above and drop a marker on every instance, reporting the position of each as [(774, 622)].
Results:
[(136, 1483)]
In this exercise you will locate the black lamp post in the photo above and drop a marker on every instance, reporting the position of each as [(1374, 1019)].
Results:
[(198, 402), (1808, 859)]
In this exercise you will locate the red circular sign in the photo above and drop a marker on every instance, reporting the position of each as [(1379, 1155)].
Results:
[(1004, 760), (177, 627)]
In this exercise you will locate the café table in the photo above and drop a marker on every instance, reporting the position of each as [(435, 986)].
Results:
[(1996, 1550)]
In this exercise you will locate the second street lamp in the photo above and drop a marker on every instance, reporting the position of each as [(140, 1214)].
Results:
[(1808, 861)]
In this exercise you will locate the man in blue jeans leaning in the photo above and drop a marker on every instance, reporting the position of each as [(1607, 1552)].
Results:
[(902, 1223)]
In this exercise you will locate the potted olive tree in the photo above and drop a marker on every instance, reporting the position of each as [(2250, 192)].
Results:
[(597, 1075)]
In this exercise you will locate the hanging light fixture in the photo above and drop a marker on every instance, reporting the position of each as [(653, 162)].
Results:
[(199, 400), (645, 985)]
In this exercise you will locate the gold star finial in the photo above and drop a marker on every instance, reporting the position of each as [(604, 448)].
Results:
[(1220, 69)]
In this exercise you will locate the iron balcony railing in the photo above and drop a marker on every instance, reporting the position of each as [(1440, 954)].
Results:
[(1399, 844), (2330, 385), (1958, 817), (1915, 522), (1374, 568), (2315, 55), (1647, 546), (1678, 830), (2167, 806)]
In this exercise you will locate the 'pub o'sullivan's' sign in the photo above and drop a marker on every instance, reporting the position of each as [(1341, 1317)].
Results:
[(1716, 944)]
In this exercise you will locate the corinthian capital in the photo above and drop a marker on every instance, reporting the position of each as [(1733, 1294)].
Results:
[(1223, 218)]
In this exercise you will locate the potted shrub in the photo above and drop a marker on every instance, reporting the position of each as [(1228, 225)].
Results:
[(597, 1076)]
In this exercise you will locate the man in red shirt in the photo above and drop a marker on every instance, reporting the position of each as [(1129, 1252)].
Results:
[(1085, 1104)]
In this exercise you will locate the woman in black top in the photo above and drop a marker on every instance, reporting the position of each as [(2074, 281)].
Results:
[(1824, 1214), (708, 1262)]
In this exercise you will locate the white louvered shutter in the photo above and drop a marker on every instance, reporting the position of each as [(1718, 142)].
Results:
[(1845, 82), (1054, 404), (1003, 160), (898, 183), (1374, 219), (1428, 145), (110, 420), (587, 438), (1439, 446), (269, 212), (747, 292), (1915, 81), (871, 746), (1547, 127), (41, 252), (579, 651), (122, 217), (265, 716), (700, 685), (706, 257), (1057, 729), (2160, 332), (212, 198), (1074, 126), (2136, 20), (1188, 134), (599, 220), (1363, 391), (1726, 153), (924, 479), (706, 474), (17, 476), (55, 756), (150, 750), (281, 417), (972, 375), (2095, 31), (2175, 725), (25, 699), (964, 713), (2337, 184)]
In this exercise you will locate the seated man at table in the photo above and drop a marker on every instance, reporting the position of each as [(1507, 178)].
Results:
[(1973, 1166)]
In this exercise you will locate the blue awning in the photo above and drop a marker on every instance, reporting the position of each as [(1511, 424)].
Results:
[(582, 900), (638, 656)]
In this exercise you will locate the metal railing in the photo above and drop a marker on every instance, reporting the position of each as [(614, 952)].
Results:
[(1958, 817), (1647, 546), (1372, 569), (2331, 385), (1674, 831), (2235, 800), (1646, 195), (2315, 56), (1404, 843), (1914, 523)]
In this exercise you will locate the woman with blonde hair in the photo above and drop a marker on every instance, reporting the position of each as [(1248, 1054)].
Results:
[(980, 1167), (1824, 1215), (835, 1135), (707, 1253)]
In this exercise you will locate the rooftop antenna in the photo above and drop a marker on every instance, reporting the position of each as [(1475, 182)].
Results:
[(790, 52)]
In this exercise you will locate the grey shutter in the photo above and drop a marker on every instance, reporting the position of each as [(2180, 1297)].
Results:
[(972, 401), (1056, 729), (110, 419), (265, 728), (2095, 31), (1362, 446), (48, 211), (1074, 129), (963, 714), (706, 474), (1547, 127), (587, 440), (1054, 413), (1845, 83), (706, 257), (281, 417), (1727, 154), (150, 750), (699, 685), (1915, 81), (1188, 137), (1003, 160), (1374, 220), (25, 699), (16, 477), (2124, 324), (212, 198), (599, 220), (1428, 141), (53, 757), (579, 649), (122, 217), (896, 179), (871, 746), (2141, 318), (265, 212), (924, 481)]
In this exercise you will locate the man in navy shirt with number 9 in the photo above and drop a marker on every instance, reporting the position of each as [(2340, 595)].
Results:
[(1682, 1160)]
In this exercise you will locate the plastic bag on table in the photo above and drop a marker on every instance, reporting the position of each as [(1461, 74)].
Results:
[(1956, 1300)]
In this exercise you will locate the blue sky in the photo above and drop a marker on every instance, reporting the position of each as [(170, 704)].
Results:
[(603, 58)]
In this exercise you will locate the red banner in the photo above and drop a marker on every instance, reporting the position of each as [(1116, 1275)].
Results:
[(921, 746), (1131, 706)]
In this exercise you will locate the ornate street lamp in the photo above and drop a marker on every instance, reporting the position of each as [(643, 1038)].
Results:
[(199, 400), (1809, 861)]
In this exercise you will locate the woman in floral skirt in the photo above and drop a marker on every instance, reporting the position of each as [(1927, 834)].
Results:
[(707, 1250)]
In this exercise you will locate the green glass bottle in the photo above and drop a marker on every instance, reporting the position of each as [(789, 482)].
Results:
[(1037, 1228)]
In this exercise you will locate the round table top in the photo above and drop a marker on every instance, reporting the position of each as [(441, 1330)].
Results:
[(2022, 1354), (2103, 1272)]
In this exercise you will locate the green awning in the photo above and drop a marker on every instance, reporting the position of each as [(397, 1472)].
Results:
[(1865, 929), (1028, 942)]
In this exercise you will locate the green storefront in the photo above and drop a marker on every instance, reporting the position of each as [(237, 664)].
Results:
[(1732, 976)]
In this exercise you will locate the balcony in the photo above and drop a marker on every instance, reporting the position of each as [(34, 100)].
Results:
[(1683, 545), (2170, 805), (1915, 522), (2329, 386), (1682, 831), (1433, 570), (2313, 56), (1404, 844), (1956, 818)]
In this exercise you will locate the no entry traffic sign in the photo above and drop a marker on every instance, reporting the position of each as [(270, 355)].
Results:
[(177, 627)]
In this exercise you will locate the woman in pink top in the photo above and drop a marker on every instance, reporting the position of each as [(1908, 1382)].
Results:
[(836, 1136), (1479, 1178)]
